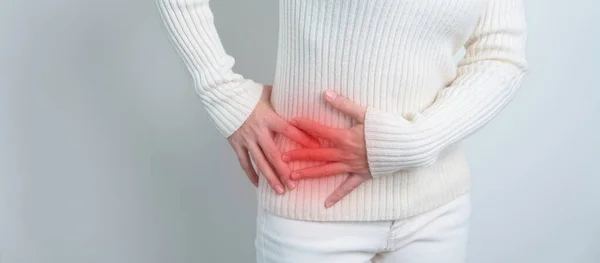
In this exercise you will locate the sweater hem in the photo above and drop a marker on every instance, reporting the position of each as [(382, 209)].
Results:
[(399, 196)]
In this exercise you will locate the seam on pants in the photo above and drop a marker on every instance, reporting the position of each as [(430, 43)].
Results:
[(389, 237), (442, 211), (263, 218)]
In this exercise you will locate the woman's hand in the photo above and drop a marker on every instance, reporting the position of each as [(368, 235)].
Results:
[(256, 136), (349, 155)]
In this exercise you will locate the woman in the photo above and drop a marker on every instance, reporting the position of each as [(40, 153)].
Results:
[(357, 143)]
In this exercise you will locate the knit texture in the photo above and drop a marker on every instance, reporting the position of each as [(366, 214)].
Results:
[(396, 58)]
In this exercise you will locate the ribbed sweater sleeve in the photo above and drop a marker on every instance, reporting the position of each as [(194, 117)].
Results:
[(487, 78), (228, 97)]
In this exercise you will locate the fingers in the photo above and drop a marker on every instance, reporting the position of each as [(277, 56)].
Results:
[(320, 171), (281, 126), (273, 155), (317, 129), (265, 168), (244, 159), (319, 154), (344, 189), (345, 105)]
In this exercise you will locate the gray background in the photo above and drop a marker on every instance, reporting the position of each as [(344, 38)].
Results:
[(106, 154)]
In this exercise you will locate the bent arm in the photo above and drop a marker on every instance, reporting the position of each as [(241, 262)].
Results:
[(228, 97), (488, 77)]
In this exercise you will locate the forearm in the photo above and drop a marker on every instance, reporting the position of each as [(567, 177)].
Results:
[(487, 79), (228, 97)]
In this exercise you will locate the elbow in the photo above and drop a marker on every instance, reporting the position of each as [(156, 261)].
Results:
[(523, 65), (523, 69)]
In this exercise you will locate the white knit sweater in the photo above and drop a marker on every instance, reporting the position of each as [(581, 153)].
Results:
[(395, 57)]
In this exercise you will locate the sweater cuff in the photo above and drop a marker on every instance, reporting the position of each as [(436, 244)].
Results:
[(228, 115), (394, 143)]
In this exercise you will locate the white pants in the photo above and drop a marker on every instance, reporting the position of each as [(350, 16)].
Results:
[(438, 236)]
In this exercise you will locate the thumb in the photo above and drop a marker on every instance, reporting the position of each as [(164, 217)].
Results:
[(345, 105)]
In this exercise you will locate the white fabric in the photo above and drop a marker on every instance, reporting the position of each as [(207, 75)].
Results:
[(397, 59), (438, 236)]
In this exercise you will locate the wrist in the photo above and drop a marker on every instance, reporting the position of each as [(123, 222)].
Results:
[(394, 143), (229, 114)]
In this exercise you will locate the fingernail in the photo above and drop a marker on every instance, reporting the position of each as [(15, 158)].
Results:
[(279, 189), (291, 184), (285, 157), (328, 204), (294, 122), (330, 94)]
